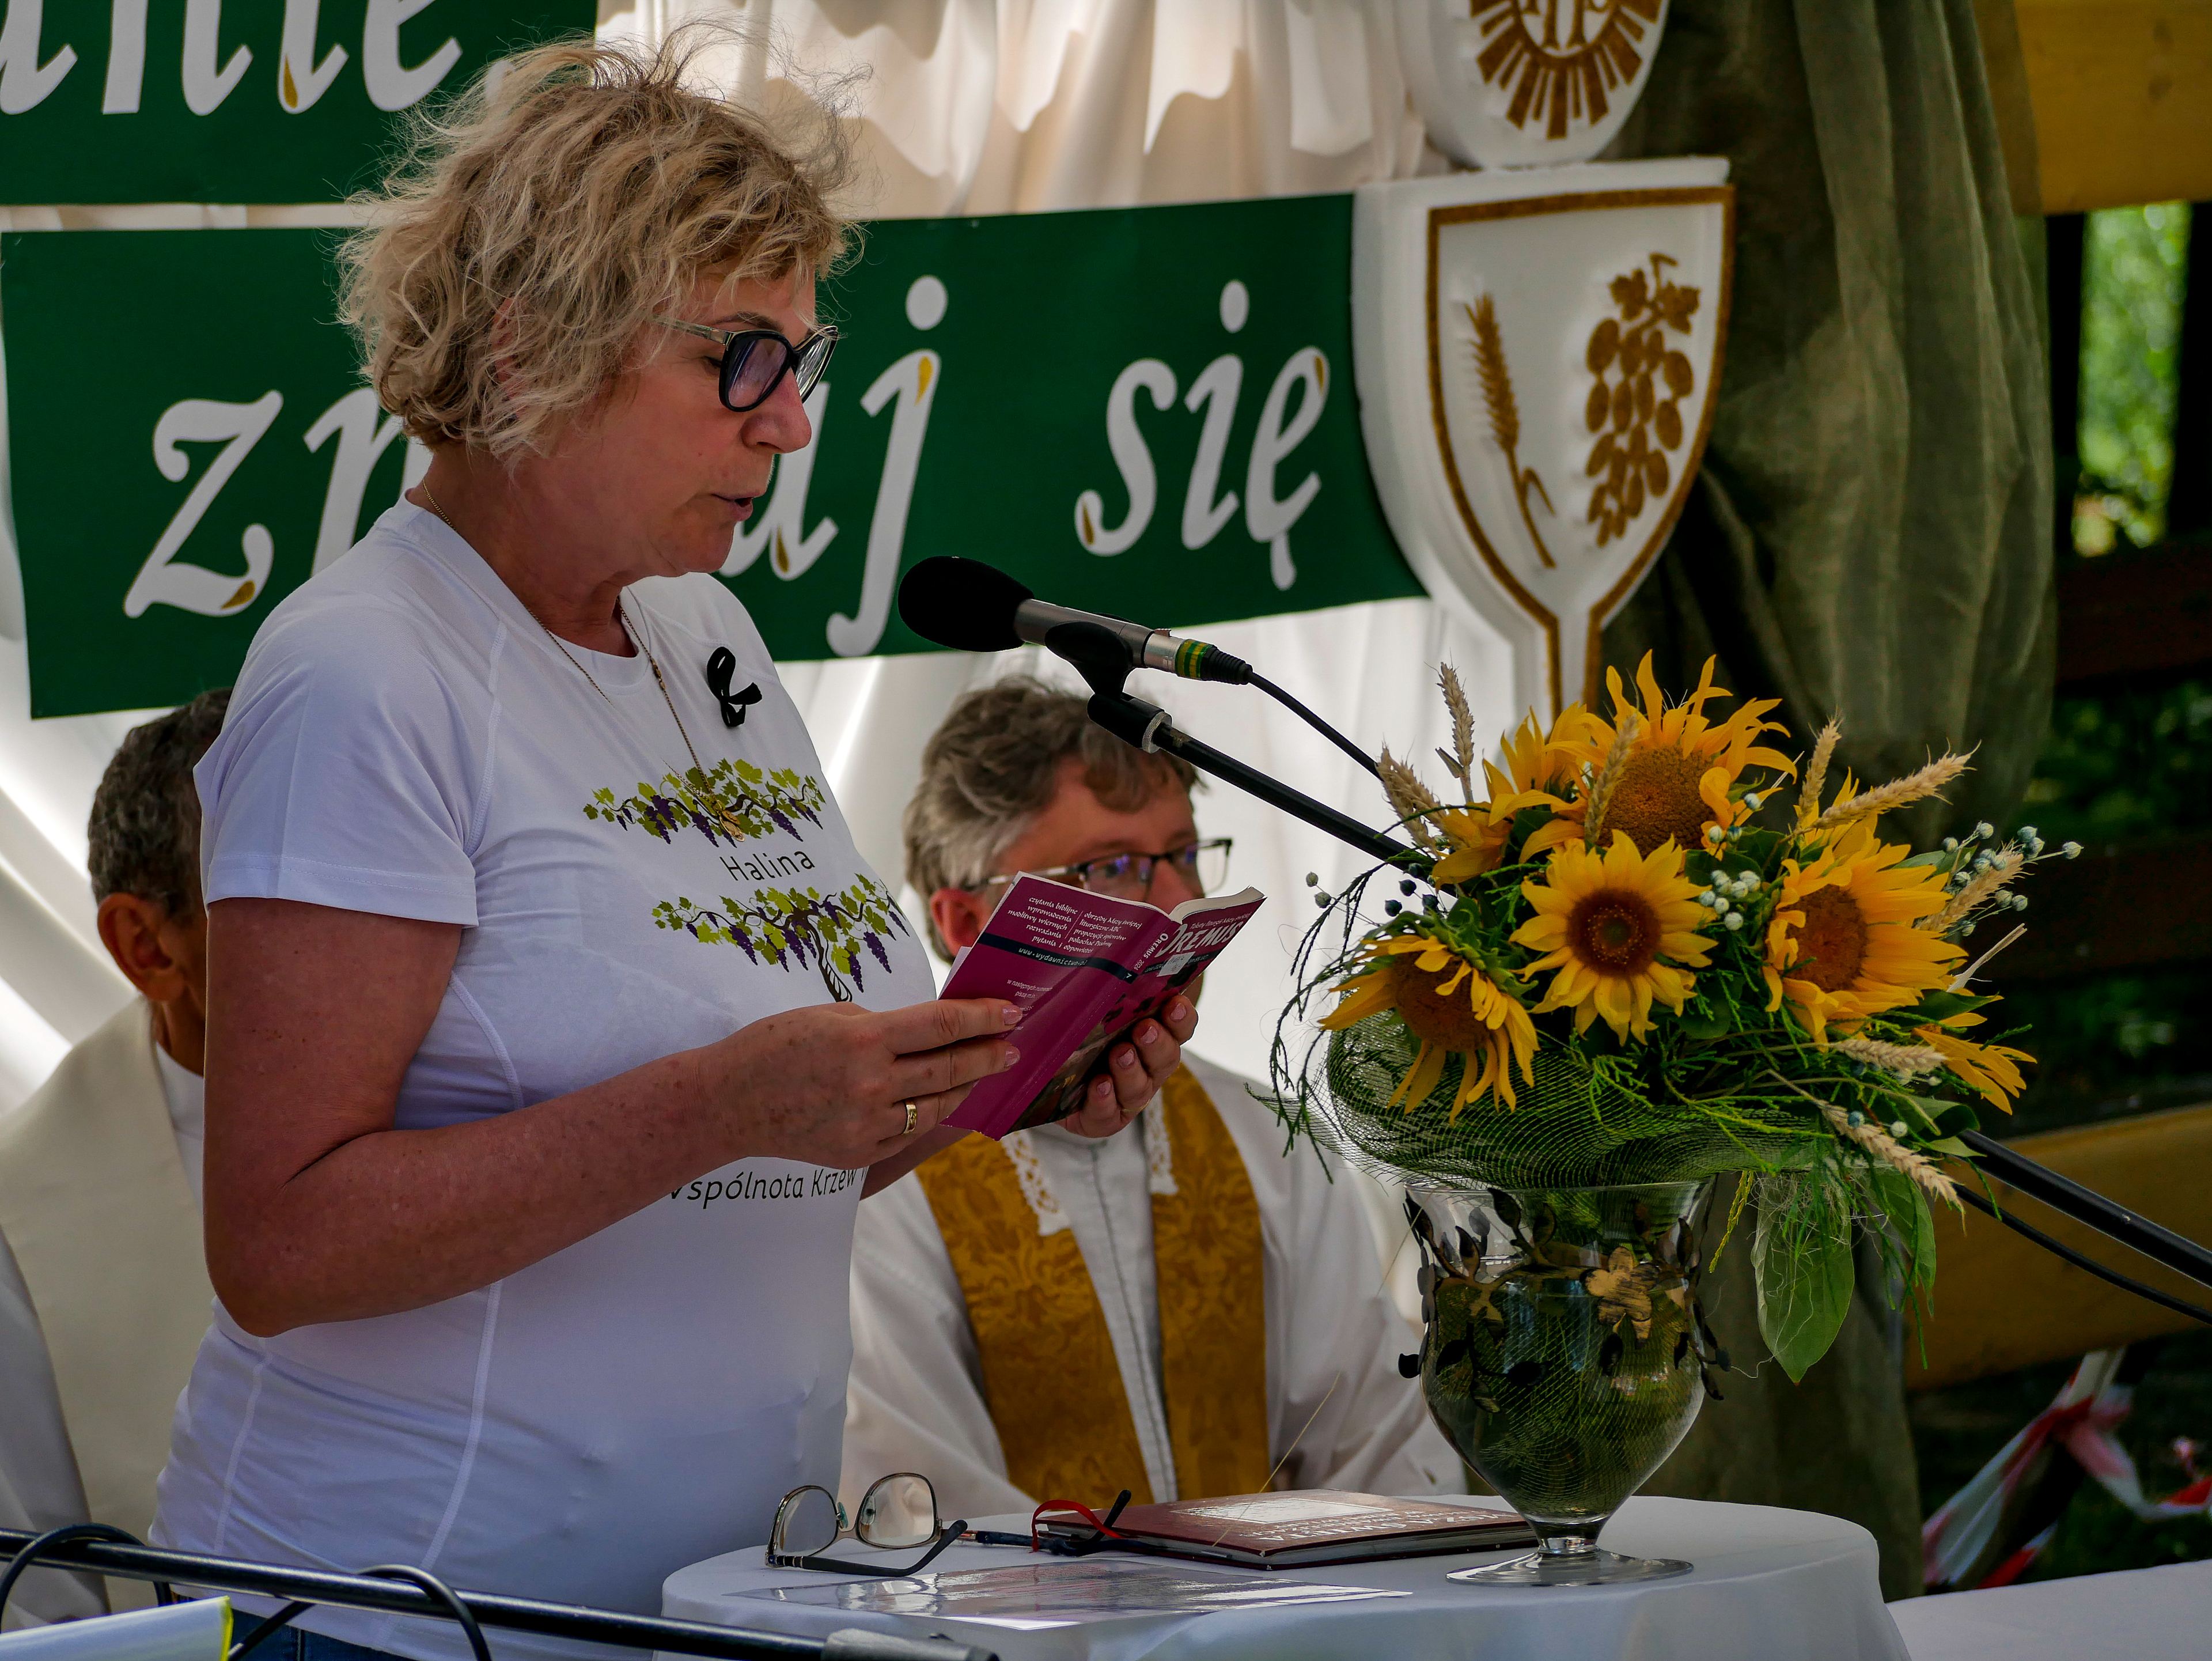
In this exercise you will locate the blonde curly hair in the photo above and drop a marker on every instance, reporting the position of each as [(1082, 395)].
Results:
[(536, 223)]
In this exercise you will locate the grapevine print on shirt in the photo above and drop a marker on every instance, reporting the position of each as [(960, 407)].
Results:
[(793, 928), (732, 802)]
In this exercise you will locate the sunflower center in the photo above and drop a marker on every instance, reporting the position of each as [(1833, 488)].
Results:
[(1614, 931), (1831, 944), (1432, 1016), (1655, 798)]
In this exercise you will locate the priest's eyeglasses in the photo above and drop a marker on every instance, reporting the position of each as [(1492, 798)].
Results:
[(897, 1514), (1203, 866), (755, 360)]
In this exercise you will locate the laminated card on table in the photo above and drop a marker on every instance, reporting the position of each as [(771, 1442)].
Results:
[(1085, 968), (1031, 1596)]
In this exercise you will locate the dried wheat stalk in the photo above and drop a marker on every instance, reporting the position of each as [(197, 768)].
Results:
[(1816, 774), (1907, 1059), (1883, 1146), (1913, 787), (1409, 798), (1607, 780), (1463, 716), (1963, 904)]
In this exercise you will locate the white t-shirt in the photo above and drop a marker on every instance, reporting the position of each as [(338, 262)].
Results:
[(406, 740)]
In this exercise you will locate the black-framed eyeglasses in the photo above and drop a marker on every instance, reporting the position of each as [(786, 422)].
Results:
[(897, 1514), (755, 360), (1203, 866)]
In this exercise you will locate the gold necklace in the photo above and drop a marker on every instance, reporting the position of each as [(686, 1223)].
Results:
[(622, 617)]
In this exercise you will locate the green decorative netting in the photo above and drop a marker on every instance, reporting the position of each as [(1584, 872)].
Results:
[(1573, 1127)]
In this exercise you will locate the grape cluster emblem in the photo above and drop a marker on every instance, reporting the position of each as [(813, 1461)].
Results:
[(1635, 401)]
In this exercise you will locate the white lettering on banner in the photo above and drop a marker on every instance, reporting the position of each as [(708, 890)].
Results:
[(24, 81), (126, 57), (205, 86), (162, 581), (777, 527), (1131, 454), (913, 381), (1270, 520), (1217, 388), (300, 80), (391, 85), (364, 433)]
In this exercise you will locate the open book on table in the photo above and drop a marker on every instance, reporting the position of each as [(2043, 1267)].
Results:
[(1300, 1527), (1085, 968)]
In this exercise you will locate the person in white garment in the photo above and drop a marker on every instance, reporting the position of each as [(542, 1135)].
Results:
[(104, 1291), (555, 1026), (1216, 1303)]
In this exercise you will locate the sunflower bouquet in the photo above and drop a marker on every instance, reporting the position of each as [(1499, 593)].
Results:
[(1653, 952)]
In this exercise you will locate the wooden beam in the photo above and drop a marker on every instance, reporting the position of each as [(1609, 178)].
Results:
[(2004, 1302), (2125, 906), (2127, 618), (2122, 91)]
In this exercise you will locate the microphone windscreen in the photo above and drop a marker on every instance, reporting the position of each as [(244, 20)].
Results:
[(962, 603)]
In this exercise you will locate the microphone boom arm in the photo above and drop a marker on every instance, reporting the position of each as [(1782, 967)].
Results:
[(1147, 727)]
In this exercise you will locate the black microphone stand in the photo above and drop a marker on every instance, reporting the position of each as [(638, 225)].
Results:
[(1102, 659)]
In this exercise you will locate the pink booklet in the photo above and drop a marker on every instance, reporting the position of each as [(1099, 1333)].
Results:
[(1085, 968)]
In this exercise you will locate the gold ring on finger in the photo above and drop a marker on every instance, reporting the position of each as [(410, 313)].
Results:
[(913, 1118)]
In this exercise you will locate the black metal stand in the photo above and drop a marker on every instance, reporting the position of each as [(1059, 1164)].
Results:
[(569, 1621), (2069, 1199), (1147, 727)]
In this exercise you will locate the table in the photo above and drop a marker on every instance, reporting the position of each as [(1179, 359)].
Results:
[(2144, 1614), (1776, 1586)]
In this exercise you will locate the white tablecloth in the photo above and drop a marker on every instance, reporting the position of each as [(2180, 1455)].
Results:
[(1769, 1585), (2142, 1614)]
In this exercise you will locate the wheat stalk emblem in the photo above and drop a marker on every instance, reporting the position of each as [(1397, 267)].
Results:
[(1505, 416)]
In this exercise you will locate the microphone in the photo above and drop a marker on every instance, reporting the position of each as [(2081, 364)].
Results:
[(974, 607)]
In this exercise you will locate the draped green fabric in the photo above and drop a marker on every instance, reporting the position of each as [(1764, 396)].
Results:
[(1871, 534), (1871, 538)]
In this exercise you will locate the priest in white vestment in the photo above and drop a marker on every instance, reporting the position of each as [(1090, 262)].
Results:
[(104, 1293), (1189, 1312)]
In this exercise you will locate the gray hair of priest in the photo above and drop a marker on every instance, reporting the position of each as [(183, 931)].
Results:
[(993, 766), (145, 826)]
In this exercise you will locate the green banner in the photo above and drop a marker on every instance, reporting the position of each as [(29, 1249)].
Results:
[(190, 101), (1142, 411)]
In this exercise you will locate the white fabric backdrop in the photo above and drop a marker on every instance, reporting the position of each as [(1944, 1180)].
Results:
[(966, 107)]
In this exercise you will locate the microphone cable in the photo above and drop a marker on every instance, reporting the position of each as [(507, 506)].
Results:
[(1316, 722), (2059, 1249)]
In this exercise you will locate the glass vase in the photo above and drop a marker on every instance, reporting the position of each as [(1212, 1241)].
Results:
[(1564, 1354)]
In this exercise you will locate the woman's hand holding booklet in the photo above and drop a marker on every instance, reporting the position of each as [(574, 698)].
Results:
[(1085, 968)]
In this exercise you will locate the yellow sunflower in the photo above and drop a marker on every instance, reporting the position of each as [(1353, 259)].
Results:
[(1842, 945), (1616, 925), (1453, 1007), (1535, 775), (1682, 767), (1991, 1068)]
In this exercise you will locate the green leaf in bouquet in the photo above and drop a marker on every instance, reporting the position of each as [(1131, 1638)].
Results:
[(1906, 1207), (1801, 1258), (1704, 1020), (1754, 849), (1954, 1147), (1939, 1007)]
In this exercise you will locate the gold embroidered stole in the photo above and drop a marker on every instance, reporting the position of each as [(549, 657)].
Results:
[(1042, 1339)]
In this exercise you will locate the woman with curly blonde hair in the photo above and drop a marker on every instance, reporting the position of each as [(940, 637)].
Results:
[(556, 1026)]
